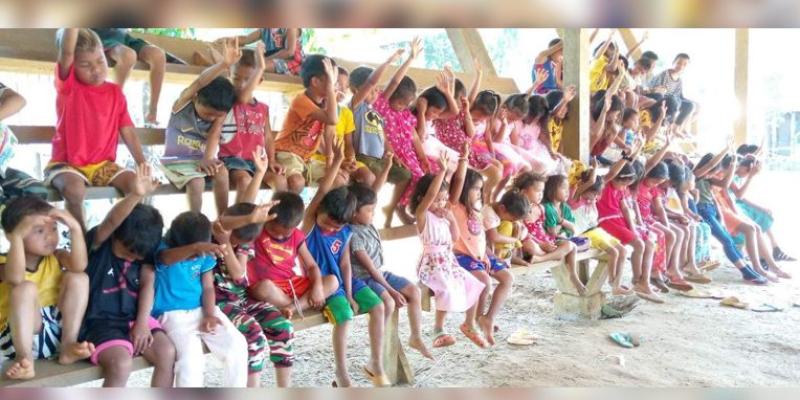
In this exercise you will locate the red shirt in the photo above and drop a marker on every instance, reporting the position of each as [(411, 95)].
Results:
[(274, 259), (610, 203), (250, 121), (89, 119)]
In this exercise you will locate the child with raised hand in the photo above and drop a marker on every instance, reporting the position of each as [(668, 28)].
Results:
[(185, 303), (41, 305), (282, 48), (13, 182), (438, 269), (328, 238), (558, 104), (194, 133), (252, 127), (306, 120), (514, 109), (367, 259), (92, 115), (121, 289), (529, 141), (550, 61), (431, 104), (583, 201), (125, 50)]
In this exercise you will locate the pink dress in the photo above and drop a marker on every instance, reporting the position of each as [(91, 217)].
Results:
[(514, 161), (644, 199), (532, 149), (400, 128), (536, 231), (434, 148), (453, 134), (456, 290)]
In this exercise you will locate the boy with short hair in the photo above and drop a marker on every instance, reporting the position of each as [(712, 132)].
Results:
[(194, 133), (306, 120), (13, 182), (92, 114), (41, 306)]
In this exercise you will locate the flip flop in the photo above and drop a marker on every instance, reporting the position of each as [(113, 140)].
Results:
[(766, 307), (734, 302), (709, 266), (622, 339), (443, 340), (696, 294), (473, 336), (521, 338), (680, 285), (697, 278), (651, 297), (377, 380)]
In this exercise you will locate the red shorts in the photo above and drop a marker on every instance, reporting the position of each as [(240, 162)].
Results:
[(618, 228), (301, 284)]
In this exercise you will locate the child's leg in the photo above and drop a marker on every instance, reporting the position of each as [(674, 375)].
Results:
[(194, 193), (125, 57), (482, 276), (254, 335), (239, 180), (182, 329), (24, 319), (72, 305), (414, 307), (221, 188), (394, 205), (766, 253), (340, 353), (116, 363), (376, 328), (751, 243), (279, 333), (266, 291), (157, 60), (637, 257), (296, 183), (669, 242), (389, 306), (611, 265), (572, 266), (363, 176), (505, 282), (73, 189), (276, 182), (647, 265), (499, 188), (493, 174), (230, 346), (162, 355), (622, 257)]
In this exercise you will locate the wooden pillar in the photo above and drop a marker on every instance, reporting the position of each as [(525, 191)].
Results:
[(468, 46), (630, 41), (576, 72), (740, 77)]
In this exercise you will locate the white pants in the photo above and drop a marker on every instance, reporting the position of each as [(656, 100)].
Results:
[(225, 343)]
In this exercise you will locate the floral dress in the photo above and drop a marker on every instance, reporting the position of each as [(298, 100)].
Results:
[(400, 128), (452, 133), (645, 197), (535, 227)]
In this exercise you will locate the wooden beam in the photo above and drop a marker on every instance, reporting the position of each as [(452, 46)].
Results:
[(740, 78), (469, 46), (576, 72), (630, 42)]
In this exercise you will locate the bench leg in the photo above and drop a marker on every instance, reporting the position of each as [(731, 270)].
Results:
[(594, 283), (394, 358), (568, 302), (425, 302)]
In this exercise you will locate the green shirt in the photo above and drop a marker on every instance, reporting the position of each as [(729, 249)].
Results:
[(704, 189), (552, 216)]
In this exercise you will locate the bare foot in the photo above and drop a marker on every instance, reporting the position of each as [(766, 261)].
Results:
[(419, 345), (620, 291), (22, 369), (342, 382), (644, 288), (487, 327), (73, 352), (770, 276), (782, 274)]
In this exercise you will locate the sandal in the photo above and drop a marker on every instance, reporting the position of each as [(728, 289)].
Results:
[(474, 336), (733, 302), (697, 278), (709, 265), (660, 284), (651, 297), (377, 380), (443, 340), (679, 284), (779, 255)]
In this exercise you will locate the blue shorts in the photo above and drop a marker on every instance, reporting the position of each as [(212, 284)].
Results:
[(470, 264), (395, 281)]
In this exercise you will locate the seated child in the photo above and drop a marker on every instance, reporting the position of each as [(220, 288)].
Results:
[(367, 261), (283, 48), (13, 182), (306, 120), (125, 50), (41, 306), (507, 237), (121, 286), (185, 303), (92, 114), (529, 141), (431, 104), (194, 133)]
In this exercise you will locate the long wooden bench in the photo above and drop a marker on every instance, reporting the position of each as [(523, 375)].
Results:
[(49, 373)]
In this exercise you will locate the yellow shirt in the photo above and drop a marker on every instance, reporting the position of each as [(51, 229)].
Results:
[(47, 278), (556, 129), (503, 251), (598, 79), (345, 126)]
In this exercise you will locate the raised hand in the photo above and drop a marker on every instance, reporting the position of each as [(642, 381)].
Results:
[(25, 226), (541, 76), (145, 183), (570, 93), (338, 150), (330, 71), (260, 50), (261, 213), (416, 47), (260, 159), (608, 99), (450, 80), (395, 56), (231, 53), (221, 235), (64, 217), (444, 160)]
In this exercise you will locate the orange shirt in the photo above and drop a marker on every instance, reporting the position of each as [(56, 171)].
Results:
[(471, 233), (301, 133)]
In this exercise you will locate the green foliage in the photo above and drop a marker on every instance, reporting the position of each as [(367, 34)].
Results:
[(499, 53), (310, 43), (183, 33)]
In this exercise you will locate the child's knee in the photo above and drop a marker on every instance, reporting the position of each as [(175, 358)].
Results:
[(637, 244), (126, 56), (74, 192), (221, 175), (75, 281), (116, 363), (195, 186), (296, 183), (24, 292), (388, 304), (483, 277), (240, 179), (164, 350), (621, 251), (153, 55)]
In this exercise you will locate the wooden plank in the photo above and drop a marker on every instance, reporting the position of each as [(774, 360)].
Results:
[(576, 72), (469, 46), (740, 78), (630, 42), (31, 134)]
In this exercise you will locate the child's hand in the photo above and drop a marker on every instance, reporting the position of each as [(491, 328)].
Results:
[(210, 248), (317, 298), (416, 47), (569, 94), (441, 82), (145, 182), (221, 235), (465, 105), (353, 304), (65, 218), (477, 65), (450, 80), (548, 247), (209, 167), (260, 159), (466, 149), (444, 161), (398, 297), (209, 324), (231, 53), (388, 159), (141, 337), (541, 76), (425, 164), (261, 213), (503, 116), (338, 150), (260, 50), (330, 71)]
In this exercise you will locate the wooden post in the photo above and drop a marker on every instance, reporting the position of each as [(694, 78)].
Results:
[(468, 46), (630, 41), (394, 358), (740, 76), (576, 72)]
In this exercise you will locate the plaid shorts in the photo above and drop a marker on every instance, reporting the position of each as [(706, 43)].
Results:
[(45, 343)]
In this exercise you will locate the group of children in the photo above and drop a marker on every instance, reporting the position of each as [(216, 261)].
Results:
[(482, 178)]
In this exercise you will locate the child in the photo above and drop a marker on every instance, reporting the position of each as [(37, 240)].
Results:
[(558, 104), (583, 202), (92, 114), (682, 180), (367, 259), (540, 245), (466, 201), (528, 141), (328, 238), (507, 215), (41, 306), (549, 60), (306, 120), (513, 110), (438, 269), (430, 105), (399, 125), (185, 303), (283, 48), (13, 182), (252, 127), (125, 50), (194, 133), (121, 286)]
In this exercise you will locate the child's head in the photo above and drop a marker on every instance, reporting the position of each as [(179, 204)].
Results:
[(366, 199), (558, 56), (138, 236), (592, 192), (513, 206), (247, 233), (658, 174), (745, 165), (644, 65), (485, 105), (187, 228), (537, 109), (630, 118), (556, 189), (358, 77), (288, 215), (437, 103), (531, 186), (516, 106), (215, 100), (746, 149), (598, 102), (404, 94), (424, 183), (625, 177), (680, 62), (472, 193), (342, 84), (313, 74), (244, 70), (90, 64), (649, 55), (553, 100), (336, 209), (42, 239), (460, 90), (677, 177)]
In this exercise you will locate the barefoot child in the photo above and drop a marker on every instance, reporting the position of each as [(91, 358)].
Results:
[(185, 303), (454, 288), (283, 48), (41, 306), (121, 286), (507, 216), (680, 207)]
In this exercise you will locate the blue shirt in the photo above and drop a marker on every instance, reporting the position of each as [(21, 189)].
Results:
[(327, 250), (179, 286)]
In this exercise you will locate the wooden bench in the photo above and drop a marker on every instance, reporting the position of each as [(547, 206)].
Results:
[(49, 373), (567, 301)]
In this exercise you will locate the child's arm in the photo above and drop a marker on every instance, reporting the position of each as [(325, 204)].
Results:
[(244, 39), (260, 215), (416, 48), (469, 125), (317, 297), (652, 130), (14, 270), (373, 79), (291, 42), (420, 153), (66, 52), (140, 333), (231, 54), (583, 186), (235, 264), (144, 185), (541, 77), (476, 84), (380, 180), (323, 188), (602, 51), (347, 277), (171, 256), (133, 144), (209, 163), (446, 84), (569, 94), (246, 95), (433, 191), (363, 259), (704, 170), (11, 103), (209, 303), (740, 190), (457, 181), (598, 127), (422, 109), (330, 114), (497, 238), (76, 258), (269, 143), (251, 192), (546, 53), (656, 158), (660, 211)]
